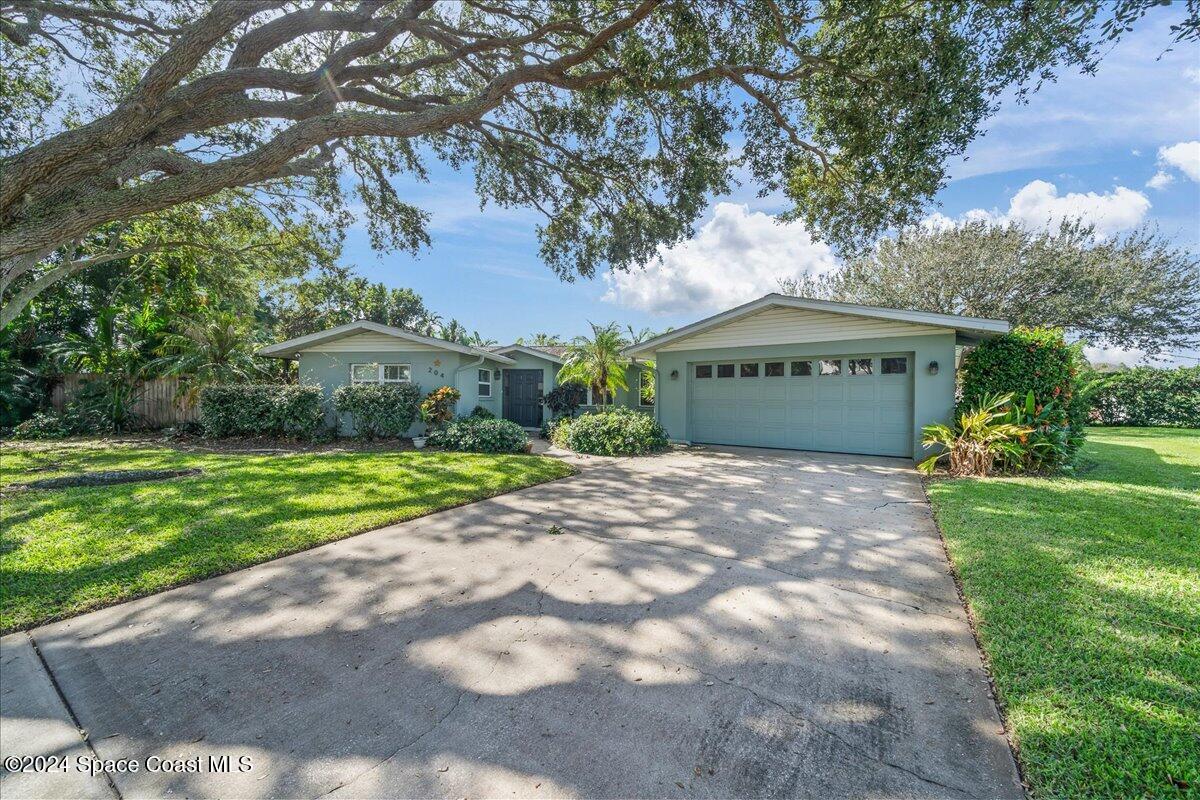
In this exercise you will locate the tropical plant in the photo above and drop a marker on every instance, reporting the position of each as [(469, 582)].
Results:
[(214, 348), (480, 412), (540, 340), (597, 362), (978, 437), (565, 398), (378, 409), (438, 406), (1048, 446)]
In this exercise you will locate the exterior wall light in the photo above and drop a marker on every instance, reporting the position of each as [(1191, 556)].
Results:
[(496, 374), (933, 368), (674, 374)]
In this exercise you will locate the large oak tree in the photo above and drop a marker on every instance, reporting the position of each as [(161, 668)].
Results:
[(616, 119)]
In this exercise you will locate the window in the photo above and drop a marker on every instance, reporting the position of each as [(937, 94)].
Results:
[(646, 387), (395, 373), (801, 369), (860, 366), (774, 369), (379, 373), (893, 366), (749, 370), (724, 370), (831, 367), (485, 383), (593, 399), (704, 370)]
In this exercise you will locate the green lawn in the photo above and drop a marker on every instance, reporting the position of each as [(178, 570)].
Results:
[(1087, 595), (66, 551)]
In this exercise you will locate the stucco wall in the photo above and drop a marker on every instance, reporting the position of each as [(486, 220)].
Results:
[(430, 369), (933, 395)]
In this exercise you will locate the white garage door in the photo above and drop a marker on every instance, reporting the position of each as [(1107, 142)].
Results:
[(840, 404)]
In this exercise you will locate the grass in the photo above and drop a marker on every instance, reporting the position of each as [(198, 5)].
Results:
[(67, 551), (1086, 591)]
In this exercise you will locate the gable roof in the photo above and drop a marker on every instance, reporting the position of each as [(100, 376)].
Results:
[(976, 326), (549, 352), (293, 346)]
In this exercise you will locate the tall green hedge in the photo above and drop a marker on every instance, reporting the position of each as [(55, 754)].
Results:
[(1146, 396), (1024, 360), (378, 409), (262, 409)]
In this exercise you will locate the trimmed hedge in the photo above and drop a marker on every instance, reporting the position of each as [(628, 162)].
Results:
[(480, 435), (378, 409), (262, 409), (613, 432), (1147, 396)]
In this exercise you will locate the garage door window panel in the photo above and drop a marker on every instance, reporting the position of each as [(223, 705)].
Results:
[(861, 366), (893, 366), (831, 367), (774, 369), (704, 370), (801, 369), (724, 370), (749, 370)]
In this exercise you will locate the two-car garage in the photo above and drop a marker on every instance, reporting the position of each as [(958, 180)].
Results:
[(856, 404), (787, 372)]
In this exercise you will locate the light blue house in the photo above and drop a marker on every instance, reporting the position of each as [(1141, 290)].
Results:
[(511, 382), (810, 375), (779, 372)]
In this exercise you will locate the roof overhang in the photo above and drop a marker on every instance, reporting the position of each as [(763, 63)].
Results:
[(292, 347), (530, 351), (972, 327)]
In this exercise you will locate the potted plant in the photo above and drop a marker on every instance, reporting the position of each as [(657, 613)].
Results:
[(436, 410)]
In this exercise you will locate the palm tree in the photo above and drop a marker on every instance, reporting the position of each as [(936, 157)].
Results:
[(214, 348), (477, 340), (597, 362), (543, 340), (452, 331)]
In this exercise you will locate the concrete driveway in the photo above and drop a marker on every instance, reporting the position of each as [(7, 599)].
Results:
[(724, 622)]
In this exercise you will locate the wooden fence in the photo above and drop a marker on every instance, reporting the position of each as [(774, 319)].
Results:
[(157, 404)]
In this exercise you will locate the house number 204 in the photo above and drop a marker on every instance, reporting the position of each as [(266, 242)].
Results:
[(433, 371)]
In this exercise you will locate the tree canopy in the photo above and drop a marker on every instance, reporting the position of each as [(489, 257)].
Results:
[(1134, 291), (612, 119)]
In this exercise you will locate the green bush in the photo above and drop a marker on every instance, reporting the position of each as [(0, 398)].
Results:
[(44, 425), (480, 435), (563, 399), (262, 409), (1037, 360), (479, 412), (378, 409), (438, 406), (613, 432), (550, 425), (1146, 396)]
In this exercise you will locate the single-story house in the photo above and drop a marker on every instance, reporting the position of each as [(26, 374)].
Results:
[(810, 375), (509, 381)]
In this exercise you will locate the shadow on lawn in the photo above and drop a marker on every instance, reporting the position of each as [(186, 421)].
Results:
[(129, 540), (1086, 592), (745, 631)]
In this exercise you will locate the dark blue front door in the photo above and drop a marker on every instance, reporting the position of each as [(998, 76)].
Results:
[(523, 397)]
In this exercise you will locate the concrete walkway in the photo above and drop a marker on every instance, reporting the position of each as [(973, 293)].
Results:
[(726, 622)]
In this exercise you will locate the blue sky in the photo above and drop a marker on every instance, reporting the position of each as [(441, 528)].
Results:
[(1120, 148)]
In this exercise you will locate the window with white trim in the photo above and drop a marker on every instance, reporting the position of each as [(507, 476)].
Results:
[(485, 383), (380, 373)]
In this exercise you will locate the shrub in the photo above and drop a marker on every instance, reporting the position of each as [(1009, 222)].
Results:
[(262, 409), (1148, 396), (479, 412), (565, 398), (438, 406), (978, 438), (378, 409), (612, 432), (550, 425), (44, 425), (1036, 360), (480, 435)]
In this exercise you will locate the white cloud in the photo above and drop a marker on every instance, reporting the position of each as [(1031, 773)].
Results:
[(736, 256), (1133, 358), (1184, 156), (1161, 180), (1038, 204), (1192, 74)]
